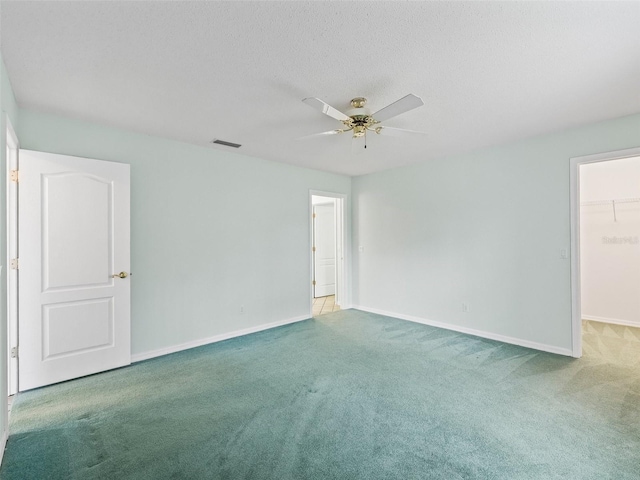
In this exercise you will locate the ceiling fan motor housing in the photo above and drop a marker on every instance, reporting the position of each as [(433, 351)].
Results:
[(360, 124)]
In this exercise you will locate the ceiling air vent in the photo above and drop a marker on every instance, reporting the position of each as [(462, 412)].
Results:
[(227, 144)]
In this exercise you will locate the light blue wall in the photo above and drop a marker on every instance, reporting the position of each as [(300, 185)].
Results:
[(7, 106), (210, 230), (485, 228)]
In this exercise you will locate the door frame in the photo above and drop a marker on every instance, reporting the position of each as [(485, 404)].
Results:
[(12, 163), (576, 307), (343, 243)]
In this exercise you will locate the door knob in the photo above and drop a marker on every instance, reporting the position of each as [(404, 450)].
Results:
[(121, 275)]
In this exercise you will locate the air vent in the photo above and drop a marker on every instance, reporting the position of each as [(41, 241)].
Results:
[(227, 144)]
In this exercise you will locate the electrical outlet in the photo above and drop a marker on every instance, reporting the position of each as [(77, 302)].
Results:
[(465, 307), (241, 308), (361, 249), (564, 253)]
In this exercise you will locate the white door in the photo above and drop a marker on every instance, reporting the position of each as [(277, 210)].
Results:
[(74, 314), (324, 233)]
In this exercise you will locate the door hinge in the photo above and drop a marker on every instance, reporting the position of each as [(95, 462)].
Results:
[(14, 264), (14, 352), (313, 283), (14, 176), (313, 249), (314, 215)]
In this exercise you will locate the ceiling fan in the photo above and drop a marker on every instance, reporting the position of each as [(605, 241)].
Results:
[(360, 120)]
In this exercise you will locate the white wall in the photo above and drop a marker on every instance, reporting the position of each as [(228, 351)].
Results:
[(610, 247), (203, 243), (485, 229)]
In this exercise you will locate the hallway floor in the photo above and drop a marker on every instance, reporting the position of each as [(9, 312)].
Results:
[(613, 343), (322, 305)]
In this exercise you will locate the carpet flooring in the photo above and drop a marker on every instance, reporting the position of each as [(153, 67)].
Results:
[(349, 395)]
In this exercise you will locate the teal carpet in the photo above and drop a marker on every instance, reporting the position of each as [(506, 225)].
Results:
[(349, 395)]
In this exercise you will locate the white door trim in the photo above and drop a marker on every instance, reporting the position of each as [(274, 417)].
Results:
[(13, 147), (576, 309), (343, 247)]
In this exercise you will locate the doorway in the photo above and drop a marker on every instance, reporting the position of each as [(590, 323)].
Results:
[(327, 252), (605, 265)]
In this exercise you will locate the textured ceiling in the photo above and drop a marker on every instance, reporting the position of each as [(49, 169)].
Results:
[(488, 72)]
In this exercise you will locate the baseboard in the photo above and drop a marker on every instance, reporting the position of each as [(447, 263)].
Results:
[(138, 357), (3, 442), (615, 321), (470, 331)]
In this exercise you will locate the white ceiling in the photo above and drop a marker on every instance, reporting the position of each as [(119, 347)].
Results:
[(488, 72)]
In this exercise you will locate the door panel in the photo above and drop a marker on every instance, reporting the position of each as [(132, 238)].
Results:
[(90, 321), (76, 255), (73, 236)]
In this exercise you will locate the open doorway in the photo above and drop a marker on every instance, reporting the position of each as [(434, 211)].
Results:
[(327, 253), (606, 259)]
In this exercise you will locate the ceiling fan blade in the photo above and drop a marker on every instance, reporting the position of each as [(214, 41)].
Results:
[(322, 134), (325, 108), (397, 132), (403, 105)]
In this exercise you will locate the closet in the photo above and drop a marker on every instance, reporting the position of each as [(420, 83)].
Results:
[(610, 241)]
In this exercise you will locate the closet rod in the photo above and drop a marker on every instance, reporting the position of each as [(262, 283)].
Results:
[(609, 202)]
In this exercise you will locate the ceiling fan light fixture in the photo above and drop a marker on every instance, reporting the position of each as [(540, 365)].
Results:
[(359, 130)]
